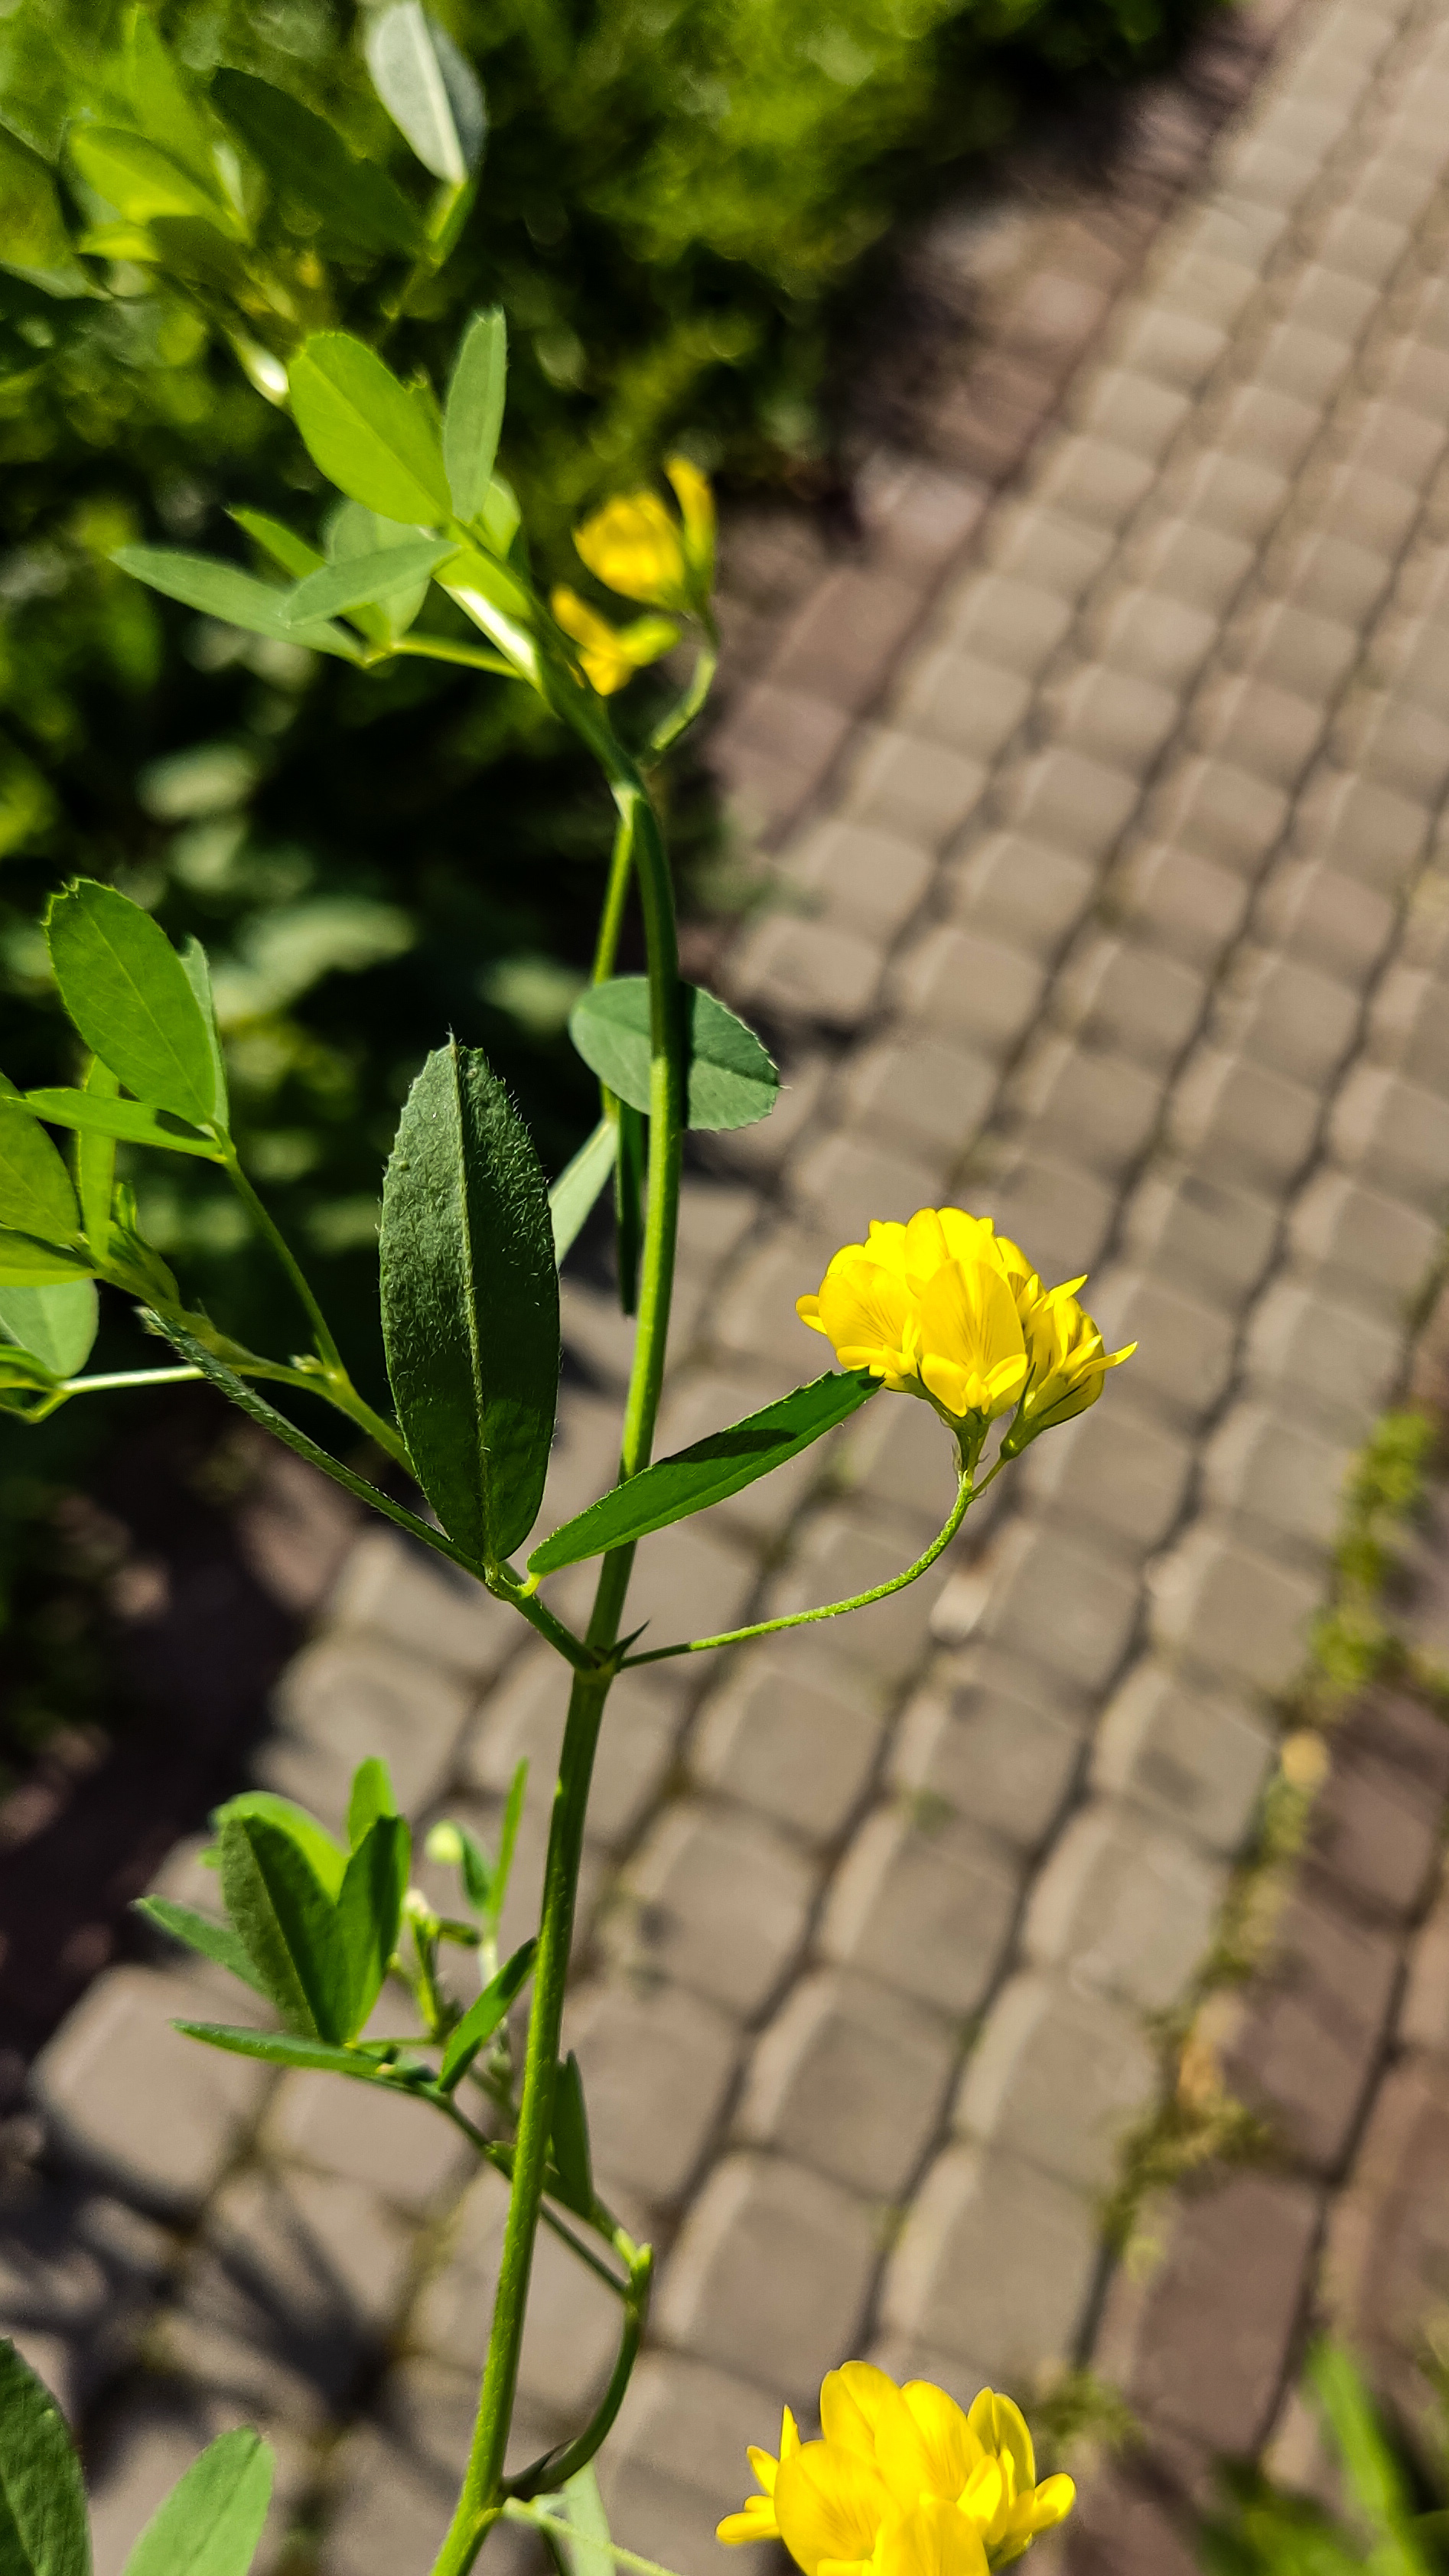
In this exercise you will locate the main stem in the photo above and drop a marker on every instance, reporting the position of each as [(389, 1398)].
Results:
[(482, 2496)]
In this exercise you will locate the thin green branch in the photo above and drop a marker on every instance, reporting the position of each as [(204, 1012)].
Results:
[(271, 1233), (682, 715), (434, 648), (548, 2522), (102, 1381), (556, 2468)]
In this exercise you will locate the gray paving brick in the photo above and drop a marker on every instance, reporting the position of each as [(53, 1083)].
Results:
[(1212, 1241), (894, 1455), (1194, 1760), (849, 2079), (398, 2474), (694, 1580), (1406, 1026), (1092, 479), (1309, 365), (657, 2064), (1399, 743), (1242, 1122), (858, 875), (1185, 1345), (115, 2061), (844, 1180), (794, 1733), (1367, 1250), (1326, 299), (1064, 797), (350, 1693), (1128, 1905), (150, 2440), (1277, 1011), (1059, 1214), (770, 2272), (1363, 829), (975, 991), (1396, 1132), (401, 2150), (1002, 1759), (423, 1605), (1182, 559), (80, 2274), (1176, 348), (925, 1909), (1191, 905), (1155, 636), (919, 1090), (900, 783), (1223, 812), (1251, 724), (1329, 574), (1265, 1462), (1050, 1595), (684, 2422), (956, 2278), (524, 1722), (1045, 548), (1099, 1108), (1134, 411), (1021, 891), (997, 619), (807, 969), (1114, 716), (1115, 1467), (1298, 649), (1236, 496), (715, 1900), (1227, 1609), (1321, 2007), (573, 2321), (754, 1317), (1331, 1362), (974, 705), (1120, 996), (701, 1401), (845, 1551), (1056, 2077)]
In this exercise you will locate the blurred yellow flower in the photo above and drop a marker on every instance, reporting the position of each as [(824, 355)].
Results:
[(611, 655), (696, 509), (947, 1309), (634, 546), (903, 2483)]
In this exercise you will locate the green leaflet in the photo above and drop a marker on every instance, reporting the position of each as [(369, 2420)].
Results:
[(43, 2529), (130, 1121), (34, 242), (36, 1196), (571, 2153), (224, 591), (732, 1081), (142, 180), (196, 967), (292, 552), (24, 1263), (470, 1303), (214, 1941), (95, 1163), (585, 2547), (573, 1194), (301, 153), (369, 1911), (162, 105), (290, 2048), (211, 2522), (429, 89), (362, 580), (324, 1857), (56, 1326), (369, 435), (132, 999), (473, 413), (708, 1471), (289, 1926), (371, 1797), (483, 2016)]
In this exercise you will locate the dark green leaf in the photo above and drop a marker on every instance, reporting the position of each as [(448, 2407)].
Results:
[(368, 433), (708, 1471), (482, 2018), (303, 154), (470, 1303), (43, 2529), (196, 967), (293, 553), (371, 1797), (211, 2522), (95, 1162), (507, 1844), (429, 89), (131, 999), (57, 1326), (129, 1120), (369, 1910), (289, 1925), (732, 1081), (324, 1856), (224, 591), (571, 2139), (473, 413), (36, 1196), (34, 243), (141, 179), (215, 1941), (366, 579), (289, 2048), (573, 1194), (25, 1263)]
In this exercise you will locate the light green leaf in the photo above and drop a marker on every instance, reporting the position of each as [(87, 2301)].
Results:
[(732, 1081), (197, 970), (369, 1910), (224, 591), (35, 1188), (366, 579), (290, 2048), (369, 435), (215, 1941), (326, 1860), (371, 1797), (301, 153), (571, 2139), (289, 1926), (470, 1303), (473, 413), (95, 1162), (142, 180), (25, 1263), (586, 2546), (211, 2522), (483, 2016), (43, 2530), (708, 1471), (162, 105), (499, 606), (292, 552), (131, 999), (579, 1185), (34, 242), (22, 1373), (128, 1121), (56, 1326), (353, 531), (429, 89)]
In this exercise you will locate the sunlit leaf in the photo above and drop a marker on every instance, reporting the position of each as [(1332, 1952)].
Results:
[(483, 2017), (290, 2048), (367, 432), (34, 242), (211, 2522), (27, 1263), (571, 2139), (579, 1184), (215, 1941), (370, 1798), (141, 179), (43, 2529), (132, 1000), (224, 591), (57, 1325), (473, 413), (429, 89), (732, 1081), (364, 580), (289, 1926), (95, 1161), (128, 1122), (36, 1195), (369, 1910)]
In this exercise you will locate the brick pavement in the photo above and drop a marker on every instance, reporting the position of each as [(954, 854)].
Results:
[(1104, 781)]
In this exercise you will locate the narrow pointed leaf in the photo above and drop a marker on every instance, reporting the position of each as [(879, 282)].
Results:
[(293, 2048), (301, 153), (470, 1303), (215, 1941), (429, 89), (224, 591), (211, 2522), (369, 1910), (95, 1162), (366, 579), (732, 1081), (367, 432), (130, 997), (473, 413), (43, 2530), (196, 966), (371, 1797), (57, 1326), (128, 1121), (288, 1924), (292, 552), (571, 2139), (708, 1471), (483, 2016), (36, 1195), (579, 1185)]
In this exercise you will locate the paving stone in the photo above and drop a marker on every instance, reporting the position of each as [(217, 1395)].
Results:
[(975, 991), (894, 1455), (1332, 576), (1046, 1594), (1155, 636), (1113, 1467), (957, 2279), (115, 2059), (1240, 497), (794, 1733), (1189, 905), (379, 2140), (1264, 1462), (922, 789), (684, 2422), (1059, 1214), (1056, 2077), (994, 1755), (349, 1694), (856, 874), (716, 1901), (1045, 548), (1385, 2252), (1181, 559), (1021, 891), (1128, 1904), (1201, 1235), (1295, 648), (1185, 1351), (996, 619), (970, 704), (1229, 1610), (1175, 348), (1220, 811), (1365, 1248), (1243, 1122), (1398, 742), (1201, 2345), (755, 1318), (1131, 1000), (1193, 1760), (1098, 1108), (1118, 2529), (1330, 1360), (1309, 365), (657, 2065), (849, 2079), (573, 2320), (843, 1552), (774, 746), (1133, 411), (844, 1180), (423, 1605), (690, 1581), (807, 969), (1092, 479), (1316, 2017), (399, 2473), (1363, 829), (1423, 2020), (1251, 724), (699, 1403), (1327, 299), (920, 1090), (1406, 1026), (1276, 1011), (925, 1909), (524, 1722), (843, 640), (1062, 797), (1376, 1834), (80, 2274), (1398, 1131), (770, 2272)]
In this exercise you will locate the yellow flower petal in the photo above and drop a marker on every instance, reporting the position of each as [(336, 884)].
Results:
[(1000, 2426), (950, 2445), (696, 509), (852, 2401), (634, 547), (829, 2504), (934, 2539)]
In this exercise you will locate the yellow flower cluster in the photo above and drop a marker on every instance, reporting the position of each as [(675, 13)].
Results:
[(638, 549), (904, 2483), (948, 1309)]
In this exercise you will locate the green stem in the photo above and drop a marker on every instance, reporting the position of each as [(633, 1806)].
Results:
[(127, 1377), (549, 2522), (322, 1341), (556, 2468), (616, 896), (429, 648), (682, 715), (966, 1495)]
